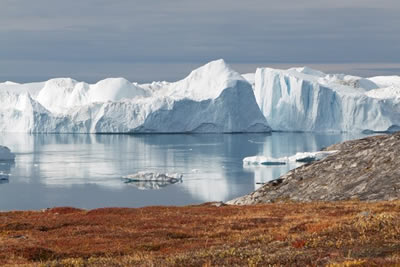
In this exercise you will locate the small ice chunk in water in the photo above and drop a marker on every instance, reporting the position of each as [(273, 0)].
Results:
[(262, 160), (302, 157), (153, 177), (152, 180)]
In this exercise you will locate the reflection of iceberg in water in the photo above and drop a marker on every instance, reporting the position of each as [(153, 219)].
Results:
[(186, 153), (211, 164), (151, 185), (5, 170), (206, 190), (202, 159), (66, 160)]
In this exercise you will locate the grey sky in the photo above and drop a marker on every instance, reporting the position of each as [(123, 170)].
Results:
[(93, 39)]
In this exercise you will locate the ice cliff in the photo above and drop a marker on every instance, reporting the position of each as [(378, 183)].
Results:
[(213, 98), (303, 99)]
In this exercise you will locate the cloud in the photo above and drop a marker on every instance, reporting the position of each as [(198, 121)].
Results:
[(185, 31)]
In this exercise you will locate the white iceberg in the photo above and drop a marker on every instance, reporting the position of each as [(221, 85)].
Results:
[(152, 180), (301, 157), (6, 154), (213, 98), (302, 99)]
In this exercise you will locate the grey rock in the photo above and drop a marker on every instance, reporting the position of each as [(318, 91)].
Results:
[(367, 169)]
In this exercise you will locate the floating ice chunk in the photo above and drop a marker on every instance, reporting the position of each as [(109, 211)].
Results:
[(262, 160), (6, 154), (302, 157), (152, 180), (305, 157)]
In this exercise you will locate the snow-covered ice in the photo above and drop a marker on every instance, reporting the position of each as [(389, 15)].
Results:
[(6, 154), (301, 157), (213, 98)]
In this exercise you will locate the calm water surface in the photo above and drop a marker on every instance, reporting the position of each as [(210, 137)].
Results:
[(86, 171)]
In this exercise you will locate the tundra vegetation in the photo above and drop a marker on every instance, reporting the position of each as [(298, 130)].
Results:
[(351, 233)]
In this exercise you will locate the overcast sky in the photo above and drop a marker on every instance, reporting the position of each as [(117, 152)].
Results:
[(162, 39)]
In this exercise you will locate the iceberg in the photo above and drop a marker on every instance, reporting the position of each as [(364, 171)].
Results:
[(250, 78), (152, 180), (300, 158), (212, 99), (6, 154), (303, 99)]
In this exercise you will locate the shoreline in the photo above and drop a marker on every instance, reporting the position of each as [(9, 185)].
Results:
[(367, 169)]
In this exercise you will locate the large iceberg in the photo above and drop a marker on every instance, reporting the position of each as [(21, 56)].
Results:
[(303, 99), (212, 99)]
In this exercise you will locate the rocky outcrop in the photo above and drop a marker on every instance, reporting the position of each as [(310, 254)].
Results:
[(367, 169)]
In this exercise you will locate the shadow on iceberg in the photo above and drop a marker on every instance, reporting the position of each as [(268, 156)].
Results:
[(219, 115)]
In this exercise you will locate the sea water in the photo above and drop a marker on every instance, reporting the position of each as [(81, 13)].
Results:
[(85, 171)]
